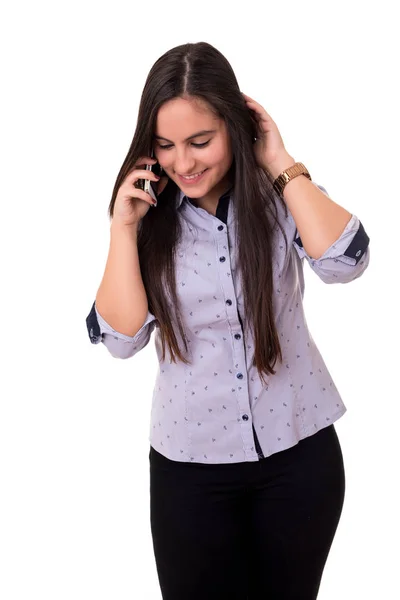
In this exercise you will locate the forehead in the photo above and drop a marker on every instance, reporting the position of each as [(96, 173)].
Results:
[(180, 118)]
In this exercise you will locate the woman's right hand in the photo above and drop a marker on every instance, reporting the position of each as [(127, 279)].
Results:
[(131, 203)]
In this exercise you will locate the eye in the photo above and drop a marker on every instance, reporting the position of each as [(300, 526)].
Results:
[(200, 145), (193, 144)]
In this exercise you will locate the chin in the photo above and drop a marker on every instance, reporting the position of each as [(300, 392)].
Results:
[(199, 192), (194, 191)]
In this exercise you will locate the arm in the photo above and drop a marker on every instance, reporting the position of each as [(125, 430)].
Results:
[(119, 316), (332, 240), (319, 220), (118, 344), (346, 259)]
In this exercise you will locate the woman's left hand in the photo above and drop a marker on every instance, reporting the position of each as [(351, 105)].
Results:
[(269, 149)]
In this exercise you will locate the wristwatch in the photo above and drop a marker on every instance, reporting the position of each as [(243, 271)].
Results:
[(288, 175)]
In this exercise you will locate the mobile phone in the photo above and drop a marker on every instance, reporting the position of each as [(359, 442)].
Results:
[(150, 186)]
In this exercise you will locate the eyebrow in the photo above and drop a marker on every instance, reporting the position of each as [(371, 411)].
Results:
[(203, 132)]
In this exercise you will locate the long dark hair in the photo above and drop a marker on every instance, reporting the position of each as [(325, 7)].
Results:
[(201, 71)]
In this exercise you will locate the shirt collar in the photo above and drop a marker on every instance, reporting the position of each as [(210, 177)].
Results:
[(180, 198)]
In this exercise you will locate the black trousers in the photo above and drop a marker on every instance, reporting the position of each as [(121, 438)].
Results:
[(247, 531)]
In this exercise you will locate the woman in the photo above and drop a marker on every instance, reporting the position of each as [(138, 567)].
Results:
[(246, 471)]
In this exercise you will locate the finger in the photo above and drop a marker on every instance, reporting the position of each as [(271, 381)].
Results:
[(145, 160), (248, 98), (255, 108), (259, 112), (253, 103), (143, 174), (141, 195)]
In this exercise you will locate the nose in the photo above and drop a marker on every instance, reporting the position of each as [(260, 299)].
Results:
[(184, 163)]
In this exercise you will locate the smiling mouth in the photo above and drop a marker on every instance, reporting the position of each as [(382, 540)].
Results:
[(192, 178)]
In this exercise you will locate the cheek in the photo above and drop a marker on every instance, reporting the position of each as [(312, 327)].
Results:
[(220, 155), (165, 161), (212, 157)]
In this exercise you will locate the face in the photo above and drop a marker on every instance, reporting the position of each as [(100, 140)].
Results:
[(183, 148)]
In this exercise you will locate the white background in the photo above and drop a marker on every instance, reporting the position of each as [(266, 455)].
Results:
[(74, 422)]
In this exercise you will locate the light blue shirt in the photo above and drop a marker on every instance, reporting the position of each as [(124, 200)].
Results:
[(217, 409)]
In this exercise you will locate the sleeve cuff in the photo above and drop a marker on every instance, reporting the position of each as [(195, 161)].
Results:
[(97, 327), (349, 247), (93, 326)]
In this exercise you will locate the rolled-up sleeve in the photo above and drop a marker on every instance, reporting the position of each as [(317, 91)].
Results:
[(118, 344), (346, 259)]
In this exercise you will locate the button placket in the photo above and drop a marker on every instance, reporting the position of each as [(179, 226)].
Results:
[(239, 369)]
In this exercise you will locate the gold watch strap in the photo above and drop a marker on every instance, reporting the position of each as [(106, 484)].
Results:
[(288, 175)]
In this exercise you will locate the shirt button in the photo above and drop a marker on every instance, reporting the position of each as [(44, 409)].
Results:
[(222, 259), (220, 227), (358, 253), (245, 417), (229, 302), (237, 336), (239, 376)]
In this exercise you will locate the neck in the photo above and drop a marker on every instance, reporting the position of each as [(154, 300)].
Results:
[(210, 201)]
